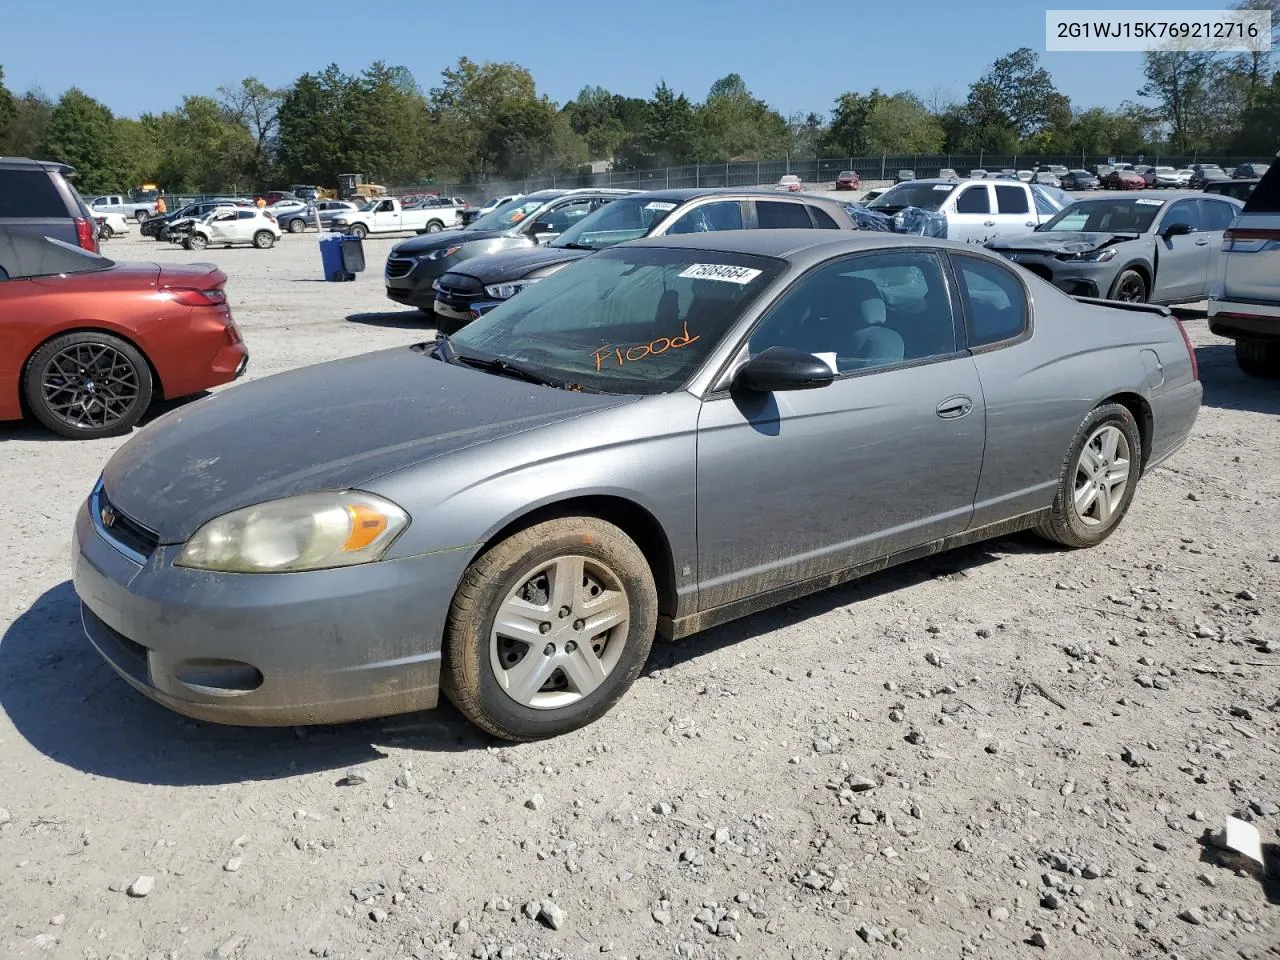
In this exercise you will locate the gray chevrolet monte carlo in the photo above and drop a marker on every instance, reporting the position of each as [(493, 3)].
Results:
[(669, 434)]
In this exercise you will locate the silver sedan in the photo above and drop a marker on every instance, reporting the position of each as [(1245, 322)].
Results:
[(660, 438)]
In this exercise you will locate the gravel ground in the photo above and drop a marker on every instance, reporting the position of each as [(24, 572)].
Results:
[(1009, 750)]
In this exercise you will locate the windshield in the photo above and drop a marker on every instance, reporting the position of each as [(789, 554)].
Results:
[(926, 195), (1106, 216), (627, 219), (368, 205), (507, 215), (632, 320)]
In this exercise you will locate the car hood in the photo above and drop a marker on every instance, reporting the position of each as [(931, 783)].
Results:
[(514, 264), (1065, 241), (445, 238), (330, 426)]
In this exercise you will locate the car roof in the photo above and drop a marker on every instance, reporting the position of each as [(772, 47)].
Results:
[(788, 244), (1166, 197), (52, 166)]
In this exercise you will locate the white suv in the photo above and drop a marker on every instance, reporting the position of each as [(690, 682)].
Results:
[(1244, 303), (233, 225)]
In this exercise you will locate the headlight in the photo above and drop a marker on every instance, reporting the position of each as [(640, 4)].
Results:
[(341, 221), (441, 253), (504, 291), (1092, 256), (310, 532)]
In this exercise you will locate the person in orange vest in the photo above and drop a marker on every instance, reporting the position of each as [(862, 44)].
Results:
[(260, 203), (161, 206)]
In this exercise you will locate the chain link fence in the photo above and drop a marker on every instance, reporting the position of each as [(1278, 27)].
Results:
[(816, 172)]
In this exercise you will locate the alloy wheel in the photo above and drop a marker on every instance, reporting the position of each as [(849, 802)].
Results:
[(559, 633), (90, 385), (1102, 476), (1132, 290)]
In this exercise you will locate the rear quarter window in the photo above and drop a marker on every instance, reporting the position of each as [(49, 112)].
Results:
[(30, 193), (995, 303)]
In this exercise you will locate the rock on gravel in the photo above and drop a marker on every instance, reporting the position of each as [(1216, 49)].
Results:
[(142, 887)]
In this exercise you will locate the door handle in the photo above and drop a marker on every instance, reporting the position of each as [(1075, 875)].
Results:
[(1202, 243), (988, 223), (1030, 223), (953, 408)]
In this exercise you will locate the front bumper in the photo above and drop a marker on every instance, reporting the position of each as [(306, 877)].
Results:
[(326, 646), (409, 280), (1075, 279)]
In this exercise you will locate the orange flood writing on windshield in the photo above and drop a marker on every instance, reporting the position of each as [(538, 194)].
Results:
[(639, 351)]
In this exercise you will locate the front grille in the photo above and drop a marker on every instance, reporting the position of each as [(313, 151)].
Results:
[(457, 296), (122, 529), (398, 268)]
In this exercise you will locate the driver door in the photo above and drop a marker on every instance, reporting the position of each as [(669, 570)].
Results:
[(385, 216), (559, 219), (222, 227), (794, 485), (1182, 270)]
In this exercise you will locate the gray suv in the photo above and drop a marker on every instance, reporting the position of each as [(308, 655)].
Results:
[(415, 265), (37, 197)]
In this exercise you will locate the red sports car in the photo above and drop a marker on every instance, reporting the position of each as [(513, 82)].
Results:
[(86, 343), (849, 180), (1125, 180)]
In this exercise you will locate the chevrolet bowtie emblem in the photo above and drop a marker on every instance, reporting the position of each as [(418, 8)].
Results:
[(108, 516)]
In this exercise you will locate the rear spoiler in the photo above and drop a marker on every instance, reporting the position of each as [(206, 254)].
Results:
[(1126, 305)]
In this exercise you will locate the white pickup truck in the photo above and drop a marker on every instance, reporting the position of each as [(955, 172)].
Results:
[(140, 210), (386, 215)]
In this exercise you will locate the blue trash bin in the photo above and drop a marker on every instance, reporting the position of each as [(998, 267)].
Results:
[(331, 259)]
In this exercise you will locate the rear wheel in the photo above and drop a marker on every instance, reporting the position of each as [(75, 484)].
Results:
[(142, 216), (296, 225), (1099, 477), (435, 226), (549, 629), (264, 240), (87, 385), (1258, 358), (105, 232), (1129, 287)]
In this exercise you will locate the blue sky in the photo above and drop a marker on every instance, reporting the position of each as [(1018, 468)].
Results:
[(796, 56)]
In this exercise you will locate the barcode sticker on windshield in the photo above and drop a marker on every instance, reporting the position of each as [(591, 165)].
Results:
[(1150, 203), (943, 186), (659, 205), (720, 271)]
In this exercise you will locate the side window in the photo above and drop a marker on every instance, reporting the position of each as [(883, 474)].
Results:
[(245, 215), (973, 200), (1184, 211), (4, 274), (823, 219), (863, 312), (1011, 200), (1217, 215), (777, 215), (567, 214), (994, 299), (29, 193), (722, 215), (386, 206)]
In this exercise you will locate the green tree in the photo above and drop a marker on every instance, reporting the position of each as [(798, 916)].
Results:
[(8, 110), (847, 134), (731, 124), (203, 148), (594, 115), (902, 124), (81, 132), (1018, 93), (668, 136), (1180, 80), (140, 154), (256, 107)]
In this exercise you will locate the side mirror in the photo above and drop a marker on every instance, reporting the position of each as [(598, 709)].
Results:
[(783, 368), (1176, 230)]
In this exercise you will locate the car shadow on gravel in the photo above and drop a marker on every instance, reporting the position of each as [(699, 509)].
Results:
[(67, 703), (952, 566), (32, 430), (395, 320), (1225, 386)]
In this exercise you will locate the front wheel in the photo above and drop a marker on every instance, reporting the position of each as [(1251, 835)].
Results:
[(1099, 477), (197, 241), (1258, 358), (549, 628), (87, 385), (359, 230), (1129, 287), (264, 240)]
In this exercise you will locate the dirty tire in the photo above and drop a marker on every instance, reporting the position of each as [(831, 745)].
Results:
[(468, 676), (47, 384), (264, 240), (1129, 287), (1258, 358), (1065, 524)]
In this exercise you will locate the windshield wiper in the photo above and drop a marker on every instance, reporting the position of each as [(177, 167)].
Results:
[(574, 246), (506, 368)]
